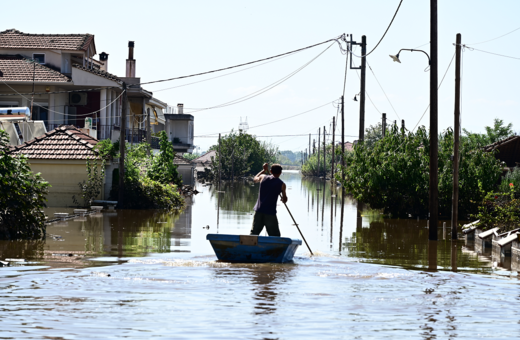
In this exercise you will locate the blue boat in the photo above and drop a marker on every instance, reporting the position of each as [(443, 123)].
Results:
[(252, 248)]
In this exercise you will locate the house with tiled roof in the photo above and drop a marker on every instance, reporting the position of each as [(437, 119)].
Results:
[(59, 78), (60, 156)]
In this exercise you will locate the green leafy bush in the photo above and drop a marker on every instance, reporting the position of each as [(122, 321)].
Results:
[(500, 209), (163, 168), (393, 175), (241, 154), (22, 197)]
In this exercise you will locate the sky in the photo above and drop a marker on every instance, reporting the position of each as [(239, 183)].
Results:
[(177, 38)]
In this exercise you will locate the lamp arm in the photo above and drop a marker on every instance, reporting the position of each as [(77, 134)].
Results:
[(412, 50)]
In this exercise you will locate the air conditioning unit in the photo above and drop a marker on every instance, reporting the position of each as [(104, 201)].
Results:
[(76, 98)]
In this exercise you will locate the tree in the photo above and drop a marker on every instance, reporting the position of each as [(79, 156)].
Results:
[(22, 197), (492, 135), (241, 154), (372, 134), (394, 174), (163, 168)]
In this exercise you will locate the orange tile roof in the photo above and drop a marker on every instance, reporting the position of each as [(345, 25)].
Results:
[(18, 68), (100, 73), (64, 142), (13, 38)]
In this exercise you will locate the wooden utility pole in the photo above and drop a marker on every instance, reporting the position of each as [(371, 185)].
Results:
[(122, 148), (332, 181), (313, 146), (343, 137), (402, 126), (310, 150), (324, 157), (362, 90), (219, 164), (434, 133), (383, 125), (148, 125), (319, 135), (456, 137)]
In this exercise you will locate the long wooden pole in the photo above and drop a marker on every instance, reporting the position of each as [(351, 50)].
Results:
[(332, 181), (122, 148), (434, 133), (319, 148), (219, 163), (296, 224), (456, 137), (324, 157)]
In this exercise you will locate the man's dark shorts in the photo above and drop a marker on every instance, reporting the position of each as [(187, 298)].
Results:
[(269, 221)]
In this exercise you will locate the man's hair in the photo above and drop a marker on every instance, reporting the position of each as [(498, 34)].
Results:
[(276, 169)]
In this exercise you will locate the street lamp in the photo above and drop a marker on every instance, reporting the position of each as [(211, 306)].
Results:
[(396, 57), (434, 151)]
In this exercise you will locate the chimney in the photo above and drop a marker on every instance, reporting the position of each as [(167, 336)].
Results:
[(180, 109), (103, 57), (130, 62)]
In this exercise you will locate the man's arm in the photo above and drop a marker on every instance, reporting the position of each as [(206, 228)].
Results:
[(284, 195), (259, 176)]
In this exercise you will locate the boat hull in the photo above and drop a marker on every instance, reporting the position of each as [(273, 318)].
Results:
[(252, 248)]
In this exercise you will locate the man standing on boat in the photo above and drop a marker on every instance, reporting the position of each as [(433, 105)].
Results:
[(265, 208)]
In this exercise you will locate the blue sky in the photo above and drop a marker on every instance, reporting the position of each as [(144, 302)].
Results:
[(175, 38)]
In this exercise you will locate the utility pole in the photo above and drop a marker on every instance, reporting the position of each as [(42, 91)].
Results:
[(319, 135), (402, 126), (310, 150), (434, 134), (343, 139), (313, 146), (324, 158), (148, 125), (219, 163), (362, 90), (122, 148), (32, 96), (383, 125), (333, 155), (456, 136)]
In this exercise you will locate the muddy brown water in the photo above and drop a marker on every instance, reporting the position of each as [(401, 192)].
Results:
[(147, 274)]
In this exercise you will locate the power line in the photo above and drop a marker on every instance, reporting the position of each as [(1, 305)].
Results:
[(265, 89), (383, 90), (66, 114), (56, 92), (295, 135), (244, 64), (275, 121), (444, 76), (397, 10), (224, 75), (503, 35), (362, 56), (500, 55)]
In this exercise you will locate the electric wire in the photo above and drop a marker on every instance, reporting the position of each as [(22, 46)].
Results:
[(388, 99), (500, 55), (272, 122), (444, 76), (395, 14), (224, 75), (263, 90), (503, 35), (57, 92), (66, 114), (244, 64)]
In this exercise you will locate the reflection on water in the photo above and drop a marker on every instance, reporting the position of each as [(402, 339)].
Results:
[(371, 278)]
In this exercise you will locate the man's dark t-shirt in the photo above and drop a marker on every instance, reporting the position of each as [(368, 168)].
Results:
[(270, 189)]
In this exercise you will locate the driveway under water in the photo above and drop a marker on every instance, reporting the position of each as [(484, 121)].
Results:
[(147, 274)]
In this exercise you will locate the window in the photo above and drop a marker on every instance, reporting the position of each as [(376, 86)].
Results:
[(39, 57)]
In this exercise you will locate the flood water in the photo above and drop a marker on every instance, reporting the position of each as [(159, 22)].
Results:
[(148, 274)]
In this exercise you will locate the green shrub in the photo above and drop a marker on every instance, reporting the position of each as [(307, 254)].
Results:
[(22, 197)]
